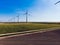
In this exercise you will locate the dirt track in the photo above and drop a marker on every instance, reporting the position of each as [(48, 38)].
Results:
[(46, 38)]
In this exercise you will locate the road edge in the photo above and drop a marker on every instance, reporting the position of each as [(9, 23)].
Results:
[(7, 35)]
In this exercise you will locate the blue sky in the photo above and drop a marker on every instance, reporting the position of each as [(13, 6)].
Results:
[(39, 10)]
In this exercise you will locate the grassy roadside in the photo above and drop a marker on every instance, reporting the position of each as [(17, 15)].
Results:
[(9, 28)]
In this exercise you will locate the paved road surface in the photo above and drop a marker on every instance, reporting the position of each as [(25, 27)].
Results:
[(46, 38)]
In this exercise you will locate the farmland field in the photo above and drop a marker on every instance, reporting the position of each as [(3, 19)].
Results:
[(19, 27)]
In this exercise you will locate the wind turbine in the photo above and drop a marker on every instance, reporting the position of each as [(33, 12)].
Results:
[(26, 16), (12, 19), (57, 2), (26, 13), (18, 18), (18, 15)]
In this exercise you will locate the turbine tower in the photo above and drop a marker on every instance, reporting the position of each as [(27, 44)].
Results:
[(26, 16), (18, 15), (18, 18)]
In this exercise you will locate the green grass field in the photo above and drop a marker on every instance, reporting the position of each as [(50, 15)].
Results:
[(15, 27)]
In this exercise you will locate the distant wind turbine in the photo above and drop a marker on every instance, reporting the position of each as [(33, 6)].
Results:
[(18, 15), (27, 14), (18, 18)]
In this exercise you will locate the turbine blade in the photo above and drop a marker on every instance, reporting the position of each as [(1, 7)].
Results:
[(57, 2)]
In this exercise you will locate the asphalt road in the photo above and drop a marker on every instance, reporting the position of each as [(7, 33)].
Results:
[(46, 38)]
